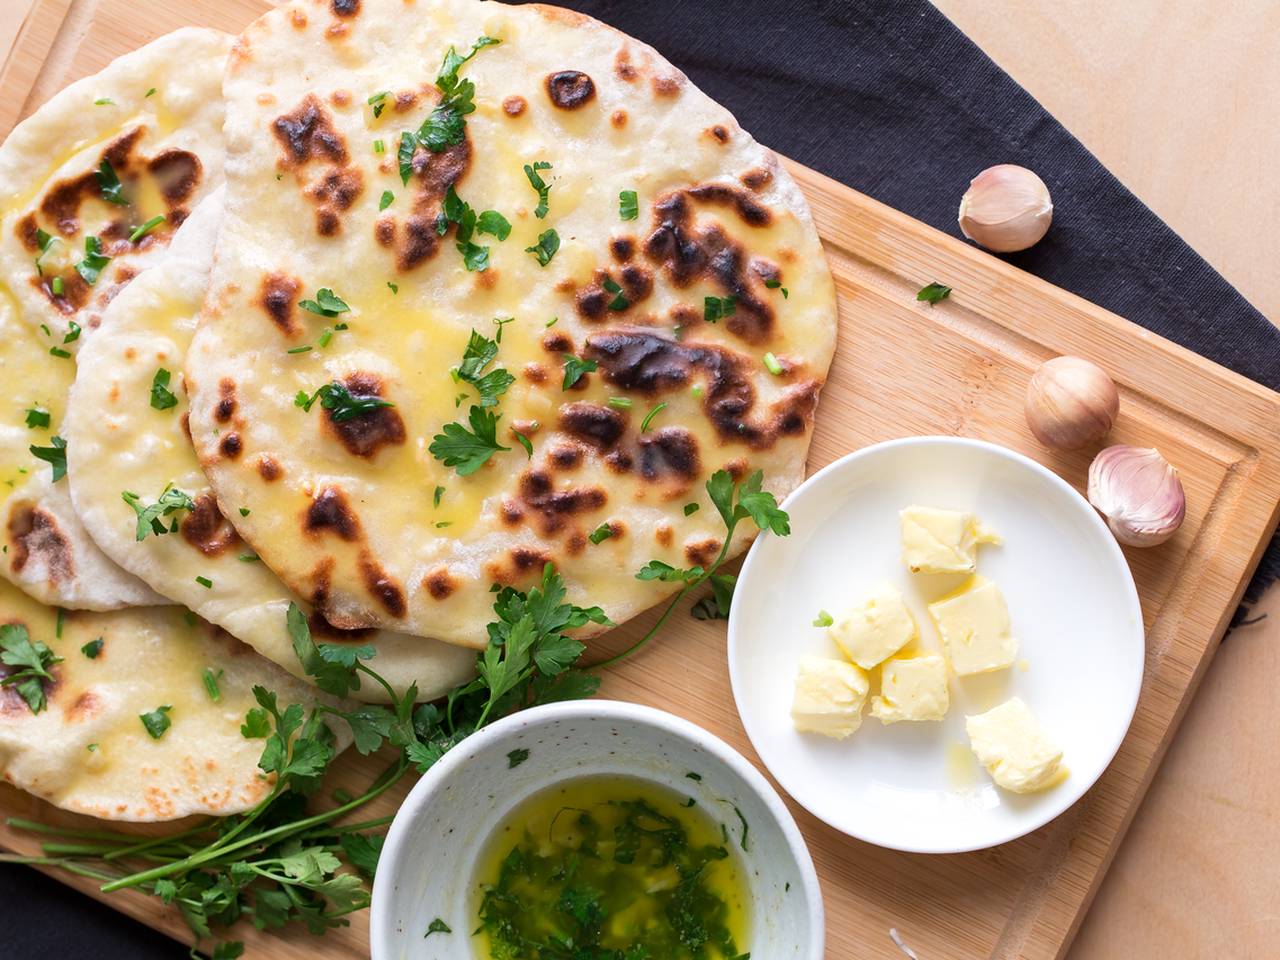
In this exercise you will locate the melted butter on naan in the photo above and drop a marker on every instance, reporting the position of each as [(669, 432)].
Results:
[(344, 512)]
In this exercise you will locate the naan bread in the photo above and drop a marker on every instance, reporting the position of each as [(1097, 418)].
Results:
[(344, 510), (88, 750), (165, 148), (155, 115), (117, 441)]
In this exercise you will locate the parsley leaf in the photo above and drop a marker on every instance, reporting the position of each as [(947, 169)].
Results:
[(933, 293), (479, 353), (546, 247), (574, 369), (55, 456), (658, 570), (157, 721), (444, 127), (162, 398), (388, 198), (379, 102), (494, 223), (468, 450), (32, 658), (541, 186), (619, 301), (716, 605), (628, 205), (823, 619), (600, 534), (326, 303), (171, 501), (45, 240), (90, 268), (256, 724), (517, 757), (404, 156), (341, 403), (37, 418), (716, 308), (458, 212), (210, 679), (437, 925), (92, 648), (109, 184)]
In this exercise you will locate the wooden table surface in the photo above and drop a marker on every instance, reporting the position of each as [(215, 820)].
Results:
[(1174, 96)]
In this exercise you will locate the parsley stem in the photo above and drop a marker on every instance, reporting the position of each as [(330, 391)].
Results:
[(384, 782), (61, 862), (34, 826), (146, 845)]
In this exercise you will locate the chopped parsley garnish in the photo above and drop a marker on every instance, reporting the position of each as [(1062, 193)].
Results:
[(32, 660), (648, 418), (379, 102), (437, 925), (823, 619), (379, 146), (691, 508), (205, 582), (388, 198), (244, 511), (157, 721), (103, 102), (141, 231), (248, 558), (37, 418), (501, 322), (660, 570), (54, 455), (408, 145), (435, 497), (109, 184), (776, 284), (393, 287), (628, 205), (45, 241), (546, 247), (619, 302), (171, 501), (468, 450), (773, 364), (600, 534), (445, 127), (458, 212), (933, 293), (494, 223), (716, 308), (92, 648), (574, 370), (150, 93), (211, 683), (541, 186), (56, 286), (59, 353), (94, 261), (326, 303), (479, 354), (162, 398), (340, 402), (524, 442), (620, 403), (517, 757), (715, 606), (696, 777), (73, 332)]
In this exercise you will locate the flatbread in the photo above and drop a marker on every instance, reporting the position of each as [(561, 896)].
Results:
[(88, 750), (165, 147), (344, 511), (156, 116), (118, 441)]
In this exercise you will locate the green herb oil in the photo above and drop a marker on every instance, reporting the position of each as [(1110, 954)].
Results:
[(617, 866)]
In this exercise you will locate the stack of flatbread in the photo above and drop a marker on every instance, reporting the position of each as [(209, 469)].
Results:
[(370, 309)]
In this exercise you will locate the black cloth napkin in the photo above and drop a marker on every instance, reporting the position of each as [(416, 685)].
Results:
[(891, 99)]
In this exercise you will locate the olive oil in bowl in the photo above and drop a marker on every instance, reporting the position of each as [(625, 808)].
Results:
[(612, 868)]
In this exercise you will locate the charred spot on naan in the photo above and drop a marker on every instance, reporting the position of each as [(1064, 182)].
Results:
[(269, 468), (687, 252), (521, 564), (570, 89), (600, 298), (555, 507), (643, 362), (440, 583), (381, 585), (670, 456), (514, 105), (719, 133), (344, 8), (35, 539), (276, 296), (333, 194), (601, 427), (206, 529), (366, 433), (622, 248), (330, 512), (702, 552), (306, 135), (226, 406), (320, 627), (433, 174)]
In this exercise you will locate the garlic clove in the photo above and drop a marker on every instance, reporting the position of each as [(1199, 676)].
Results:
[(1006, 208), (1070, 402), (1139, 493)]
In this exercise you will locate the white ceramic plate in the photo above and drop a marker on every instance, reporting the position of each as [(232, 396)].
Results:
[(1075, 613)]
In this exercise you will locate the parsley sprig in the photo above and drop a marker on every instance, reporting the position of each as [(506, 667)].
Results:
[(479, 353), (55, 455), (29, 662), (446, 125), (171, 501), (341, 403), (468, 450)]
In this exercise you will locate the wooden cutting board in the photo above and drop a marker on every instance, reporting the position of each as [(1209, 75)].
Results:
[(901, 368)]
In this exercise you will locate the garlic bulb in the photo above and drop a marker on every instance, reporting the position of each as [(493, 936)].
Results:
[(1139, 493), (1070, 402), (1006, 208)]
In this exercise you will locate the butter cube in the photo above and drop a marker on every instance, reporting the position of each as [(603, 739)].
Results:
[(876, 627), (1009, 742), (974, 624), (942, 541), (914, 688), (829, 697)]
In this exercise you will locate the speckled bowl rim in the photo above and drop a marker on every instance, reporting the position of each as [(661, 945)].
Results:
[(397, 856)]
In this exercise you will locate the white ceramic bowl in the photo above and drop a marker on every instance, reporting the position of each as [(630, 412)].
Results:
[(1074, 609), (426, 868)]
